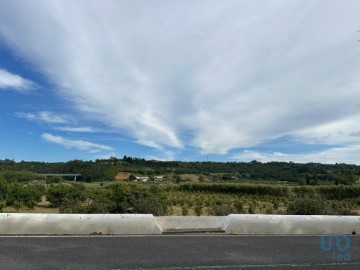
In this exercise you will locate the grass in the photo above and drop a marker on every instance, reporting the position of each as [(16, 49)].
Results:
[(36, 209)]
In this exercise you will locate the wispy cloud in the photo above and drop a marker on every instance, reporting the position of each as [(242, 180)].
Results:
[(44, 116), (218, 75), (14, 82), (77, 129), (346, 154), (78, 144)]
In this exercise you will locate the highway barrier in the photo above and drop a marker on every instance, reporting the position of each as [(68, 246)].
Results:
[(291, 224), (183, 224), (96, 224), (67, 224)]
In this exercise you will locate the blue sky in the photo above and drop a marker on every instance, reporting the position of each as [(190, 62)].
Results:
[(180, 80)]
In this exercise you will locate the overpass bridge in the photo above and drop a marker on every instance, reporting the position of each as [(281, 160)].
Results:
[(75, 175)]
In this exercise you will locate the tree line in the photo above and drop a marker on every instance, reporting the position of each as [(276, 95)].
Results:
[(106, 169)]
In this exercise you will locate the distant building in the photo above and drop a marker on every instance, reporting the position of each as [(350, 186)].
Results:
[(142, 178), (158, 177)]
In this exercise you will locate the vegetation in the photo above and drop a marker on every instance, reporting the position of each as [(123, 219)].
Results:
[(189, 188), (106, 169), (314, 205)]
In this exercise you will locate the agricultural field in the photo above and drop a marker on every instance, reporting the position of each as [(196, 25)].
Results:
[(223, 199), (179, 188), (179, 199)]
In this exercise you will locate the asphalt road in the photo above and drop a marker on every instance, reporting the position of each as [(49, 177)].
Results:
[(173, 252)]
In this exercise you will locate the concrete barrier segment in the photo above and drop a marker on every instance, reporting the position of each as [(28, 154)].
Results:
[(291, 224), (191, 223), (77, 224)]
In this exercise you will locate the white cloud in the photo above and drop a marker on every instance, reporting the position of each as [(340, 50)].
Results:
[(343, 131), (44, 116), (78, 144), (76, 129), (164, 156), (13, 81), (217, 75), (347, 154)]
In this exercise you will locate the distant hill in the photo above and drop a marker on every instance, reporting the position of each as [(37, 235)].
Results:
[(108, 169)]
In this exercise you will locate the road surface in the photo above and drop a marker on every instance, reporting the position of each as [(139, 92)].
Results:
[(173, 252)]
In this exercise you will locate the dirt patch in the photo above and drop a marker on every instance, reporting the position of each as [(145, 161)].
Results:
[(43, 202), (122, 176)]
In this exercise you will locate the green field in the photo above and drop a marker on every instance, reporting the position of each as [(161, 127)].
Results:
[(186, 188), (168, 198)]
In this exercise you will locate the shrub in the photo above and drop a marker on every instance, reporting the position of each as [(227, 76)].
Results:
[(269, 210), (339, 192), (344, 210), (58, 193), (98, 206), (139, 199), (302, 191), (71, 206), (198, 210), (2, 205), (276, 205), (239, 206), (178, 179), (221, 210), (250, 189), (53, 179), (315, 205), (184, 211), (119, 194), (99, 201), (19, 176), (19, 195), (3, 188), (251, 208)]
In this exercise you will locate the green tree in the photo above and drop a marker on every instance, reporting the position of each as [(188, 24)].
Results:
[(178, 179), (58, 193), (19, 195), (137, 198)]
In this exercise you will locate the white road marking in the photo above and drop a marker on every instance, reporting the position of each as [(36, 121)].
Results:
[(242, 266)]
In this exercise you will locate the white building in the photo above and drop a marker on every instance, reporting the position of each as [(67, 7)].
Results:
[(142, 178)]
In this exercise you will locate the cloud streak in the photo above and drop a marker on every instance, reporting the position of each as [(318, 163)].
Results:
[(14, 82), (44, 116), (77, 144), (218, 75), (349, 154), (77, 129)]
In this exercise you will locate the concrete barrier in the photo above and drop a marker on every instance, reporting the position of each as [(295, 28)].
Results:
[(191, 224), (66, 224), (82, 224), (291, 224)]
